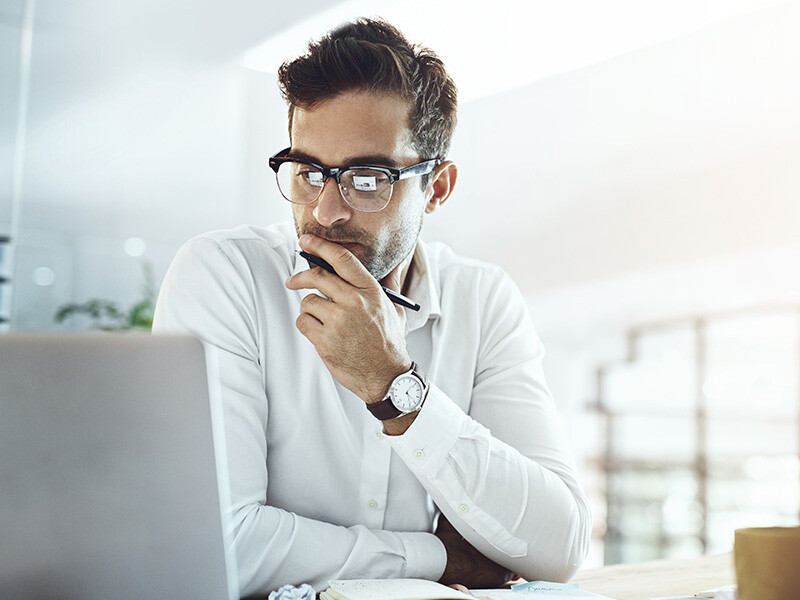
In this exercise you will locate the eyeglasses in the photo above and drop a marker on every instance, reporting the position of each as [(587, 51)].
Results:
[(364, 188)]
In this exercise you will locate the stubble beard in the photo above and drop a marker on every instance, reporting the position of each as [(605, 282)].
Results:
[(378, 261)]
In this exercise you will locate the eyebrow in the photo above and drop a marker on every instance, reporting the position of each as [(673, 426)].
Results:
[(367, 160)]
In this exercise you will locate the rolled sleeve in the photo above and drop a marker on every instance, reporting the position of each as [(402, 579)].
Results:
[(425, 555)]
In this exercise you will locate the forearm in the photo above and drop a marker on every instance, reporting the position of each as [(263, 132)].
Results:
[(517, 512), (465, 564), (550, 539), (275, 547)]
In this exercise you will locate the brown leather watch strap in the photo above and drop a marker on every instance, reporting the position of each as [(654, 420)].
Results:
[(385, 409)]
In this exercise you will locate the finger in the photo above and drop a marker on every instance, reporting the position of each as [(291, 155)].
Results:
[(330, 284), (309, 326), (332, 287), (317, 307), (392, 279), (347, 266)]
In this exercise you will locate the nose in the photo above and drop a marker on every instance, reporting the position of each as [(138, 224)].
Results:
[(330, 208)]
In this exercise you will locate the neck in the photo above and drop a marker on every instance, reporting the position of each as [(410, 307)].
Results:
[(407, 272)]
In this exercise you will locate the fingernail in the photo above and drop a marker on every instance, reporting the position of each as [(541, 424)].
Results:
[(305, 238)]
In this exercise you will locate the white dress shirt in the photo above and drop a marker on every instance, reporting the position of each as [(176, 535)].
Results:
[(318, 491)]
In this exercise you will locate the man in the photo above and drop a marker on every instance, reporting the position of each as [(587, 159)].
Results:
[(469, 480)]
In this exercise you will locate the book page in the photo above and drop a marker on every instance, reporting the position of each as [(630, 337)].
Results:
[(394, 589), (503, 594)]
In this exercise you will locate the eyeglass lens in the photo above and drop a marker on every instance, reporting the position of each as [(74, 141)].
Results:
[(366, 190)]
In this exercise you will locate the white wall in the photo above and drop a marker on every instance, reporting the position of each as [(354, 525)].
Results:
[(657, 183), (660, 183), (681, 151)]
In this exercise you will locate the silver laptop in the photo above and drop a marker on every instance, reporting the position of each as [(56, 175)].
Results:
[(112, 470)]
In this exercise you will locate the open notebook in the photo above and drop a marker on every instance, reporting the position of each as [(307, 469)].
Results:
[(419, 589)]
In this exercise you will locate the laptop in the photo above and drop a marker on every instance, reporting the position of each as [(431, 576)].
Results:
[(112, 469)]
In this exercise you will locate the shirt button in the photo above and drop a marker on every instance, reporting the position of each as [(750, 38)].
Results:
[(463, 508), (378, 434), (419, 453), (372, 504)]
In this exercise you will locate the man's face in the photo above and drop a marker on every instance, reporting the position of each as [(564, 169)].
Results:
[(361, 129)]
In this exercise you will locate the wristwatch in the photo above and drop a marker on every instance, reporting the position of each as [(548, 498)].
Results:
[(406, 395)]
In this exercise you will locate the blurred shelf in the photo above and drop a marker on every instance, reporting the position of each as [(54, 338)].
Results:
[(689, 414), (640, 465), (715, 461)]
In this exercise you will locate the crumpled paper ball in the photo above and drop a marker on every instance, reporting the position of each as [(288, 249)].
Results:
[(289, 592)]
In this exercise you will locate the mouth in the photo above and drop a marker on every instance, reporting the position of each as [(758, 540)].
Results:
[(351, 246)]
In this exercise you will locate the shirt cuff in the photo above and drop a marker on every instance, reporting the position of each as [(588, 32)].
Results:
[(428, 441), (426, 557)]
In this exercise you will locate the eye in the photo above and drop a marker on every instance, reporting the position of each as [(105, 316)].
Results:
[(365, 183), (311, 176)]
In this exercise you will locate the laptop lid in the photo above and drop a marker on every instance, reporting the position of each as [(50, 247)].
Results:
[(111, 450)]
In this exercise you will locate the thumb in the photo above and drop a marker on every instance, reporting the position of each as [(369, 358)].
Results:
[(392, 279)]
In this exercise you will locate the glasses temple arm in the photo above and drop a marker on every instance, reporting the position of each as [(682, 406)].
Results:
[(422, 168)]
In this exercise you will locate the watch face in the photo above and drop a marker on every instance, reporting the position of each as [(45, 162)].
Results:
[(406, 393)]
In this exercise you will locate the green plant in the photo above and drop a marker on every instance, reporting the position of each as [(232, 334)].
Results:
[(106, 315)]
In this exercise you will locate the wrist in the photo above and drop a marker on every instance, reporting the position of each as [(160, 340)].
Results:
[(399, 425), (380, 389), (403, 398)]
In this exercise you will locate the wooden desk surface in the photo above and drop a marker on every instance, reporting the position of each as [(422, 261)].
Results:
[(642, 581)]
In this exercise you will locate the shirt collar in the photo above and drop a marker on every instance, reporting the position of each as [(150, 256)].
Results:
[(300, 263), (423, 288)]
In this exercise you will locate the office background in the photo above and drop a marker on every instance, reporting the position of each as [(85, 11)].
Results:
[(632, 164)]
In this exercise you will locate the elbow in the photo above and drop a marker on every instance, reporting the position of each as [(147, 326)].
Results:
[(577, 555), (251, 551), (559, 551), (579, 543), (578, 536)]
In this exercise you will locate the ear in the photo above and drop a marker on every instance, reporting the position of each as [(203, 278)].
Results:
[(441, 186)]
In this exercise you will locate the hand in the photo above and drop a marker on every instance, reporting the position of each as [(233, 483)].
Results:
[(357, 331), (465, 565)]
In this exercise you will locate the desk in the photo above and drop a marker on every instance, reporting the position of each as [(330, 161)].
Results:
[(641, 581)]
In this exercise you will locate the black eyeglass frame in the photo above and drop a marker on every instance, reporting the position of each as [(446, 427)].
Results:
[(394, 175)]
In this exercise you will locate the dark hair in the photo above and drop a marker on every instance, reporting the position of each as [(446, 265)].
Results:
[(371, 55)]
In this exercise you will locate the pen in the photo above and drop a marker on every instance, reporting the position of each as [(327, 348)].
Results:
[(393, 296)]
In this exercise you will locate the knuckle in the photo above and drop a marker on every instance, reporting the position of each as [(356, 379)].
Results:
[(345, 258), (312, 301), (302, 323), (336, 317), (317, 272), (343, 254), (364, 303), (360, 304)]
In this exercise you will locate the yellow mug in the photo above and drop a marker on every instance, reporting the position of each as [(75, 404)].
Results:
[(767, 561)]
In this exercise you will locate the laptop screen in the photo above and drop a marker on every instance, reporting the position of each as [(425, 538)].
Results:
[(112, 469)]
